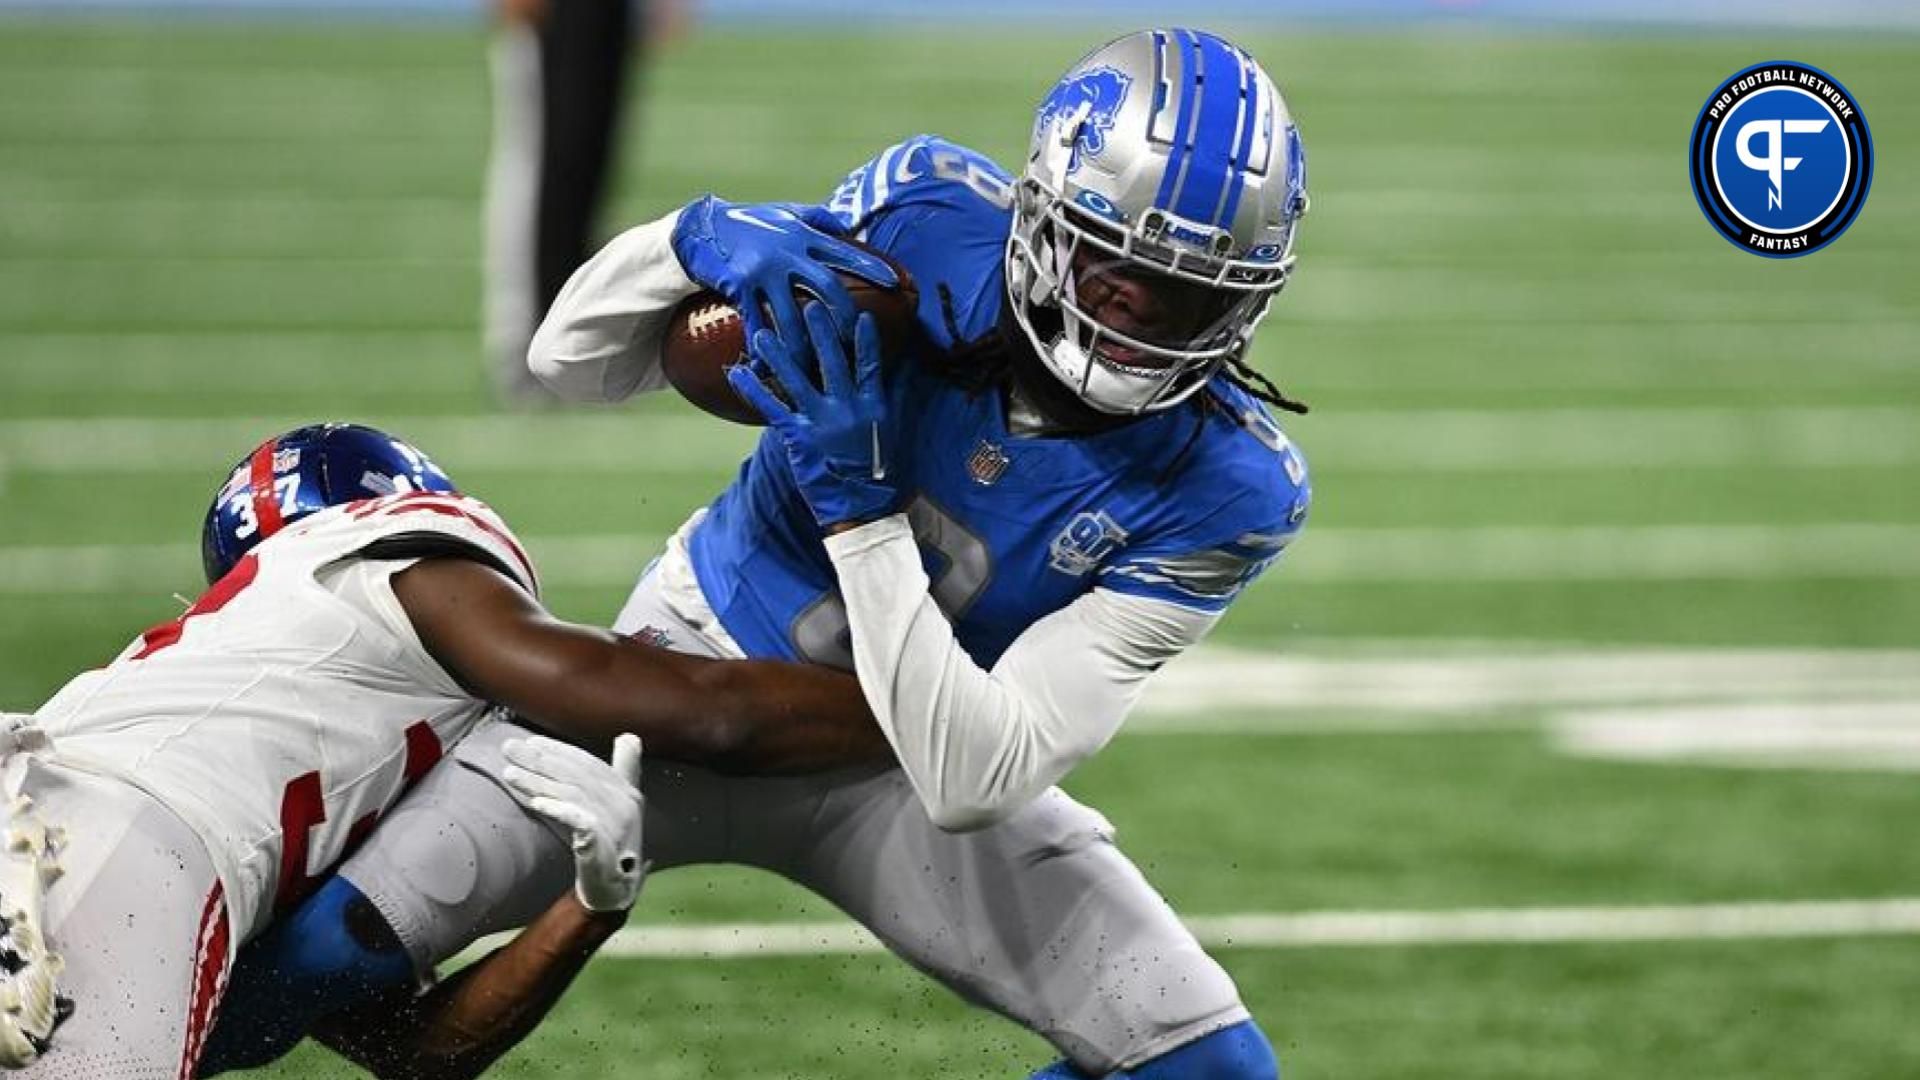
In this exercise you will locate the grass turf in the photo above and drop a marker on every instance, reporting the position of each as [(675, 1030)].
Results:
[(279, 220)]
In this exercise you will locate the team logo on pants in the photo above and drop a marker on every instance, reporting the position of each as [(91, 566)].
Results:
[(1781, 159)]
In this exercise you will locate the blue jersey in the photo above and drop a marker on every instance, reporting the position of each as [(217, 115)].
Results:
[(1011, 528)]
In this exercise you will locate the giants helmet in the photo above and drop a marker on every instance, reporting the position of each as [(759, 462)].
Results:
[(1168, 154), (293, 476)]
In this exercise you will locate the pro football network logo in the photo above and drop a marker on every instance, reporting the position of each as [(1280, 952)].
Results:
[(1781, 159)]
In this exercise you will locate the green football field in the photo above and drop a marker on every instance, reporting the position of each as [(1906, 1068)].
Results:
[(1608, 614)]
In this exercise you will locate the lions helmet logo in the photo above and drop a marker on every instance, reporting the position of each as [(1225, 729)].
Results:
[(1091, 99)]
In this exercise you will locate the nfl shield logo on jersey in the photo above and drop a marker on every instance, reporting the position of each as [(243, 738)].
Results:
[(987, 463)]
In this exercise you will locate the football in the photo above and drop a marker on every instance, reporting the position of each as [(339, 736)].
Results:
[(707, 336)]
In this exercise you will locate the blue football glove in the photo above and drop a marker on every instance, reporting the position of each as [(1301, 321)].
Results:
[(756, 255), (837, 439)]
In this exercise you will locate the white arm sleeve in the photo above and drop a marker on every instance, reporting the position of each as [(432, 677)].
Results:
[(601, 339), (978, 745)]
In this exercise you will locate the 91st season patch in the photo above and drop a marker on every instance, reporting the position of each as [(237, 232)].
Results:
[(1781, 159)]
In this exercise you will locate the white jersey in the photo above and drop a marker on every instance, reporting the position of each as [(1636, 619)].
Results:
[(291, 704)]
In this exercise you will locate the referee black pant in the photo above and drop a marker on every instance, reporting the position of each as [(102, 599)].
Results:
[(558, 87)]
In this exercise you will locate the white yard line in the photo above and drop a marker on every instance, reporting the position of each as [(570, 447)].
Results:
[(632, 443), (611, 562), (1274, 930), (1413, 440), (1224, 688), (1547, 440), (1327, 556), (1554, 553), (1678, 922), (1815, 733)]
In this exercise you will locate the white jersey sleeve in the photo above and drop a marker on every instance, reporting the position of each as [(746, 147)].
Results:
[(601, 338), (978, 745), (284, 711)]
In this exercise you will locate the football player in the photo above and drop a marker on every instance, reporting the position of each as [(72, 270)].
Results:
[(1086, 476), (363, 618)]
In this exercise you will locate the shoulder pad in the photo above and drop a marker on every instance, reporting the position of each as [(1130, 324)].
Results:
[(355, 526), (925, 169)]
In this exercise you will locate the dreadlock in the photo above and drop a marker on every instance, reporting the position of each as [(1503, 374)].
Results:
[(976, 365), (987, 362), (1241, 374), (1205, 404)]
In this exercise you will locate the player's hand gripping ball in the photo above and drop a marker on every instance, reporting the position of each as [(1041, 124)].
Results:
[(755, 255), (837, 436), (707, 334)]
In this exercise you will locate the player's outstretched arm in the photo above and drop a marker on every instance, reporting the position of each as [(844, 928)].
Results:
[(588, 685), (462, 1026)]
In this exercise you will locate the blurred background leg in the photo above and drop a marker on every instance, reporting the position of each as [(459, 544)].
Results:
[(559, 77)]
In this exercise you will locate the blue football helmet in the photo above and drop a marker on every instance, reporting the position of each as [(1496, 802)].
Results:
[(300, 473), (1169, 155)]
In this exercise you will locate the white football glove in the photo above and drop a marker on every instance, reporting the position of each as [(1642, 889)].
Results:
[(30, 1002), (600, 805)]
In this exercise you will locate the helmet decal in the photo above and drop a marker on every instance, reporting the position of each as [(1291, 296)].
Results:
[(1100, 206), (1089, 99), (1217, 113), (1296, 173), (262, 491), (1253, 118)]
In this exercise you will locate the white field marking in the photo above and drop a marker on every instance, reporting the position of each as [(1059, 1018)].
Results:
[(189, 206), (1527, 440), (610, 562), (1816, 734), (632, 443), (1413, 440), (1527, 553), (1321, 929), (1232, 689), (289, 363), (1329, 556)]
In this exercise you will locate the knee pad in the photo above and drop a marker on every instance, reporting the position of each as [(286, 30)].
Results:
[(330, 953), (1240, 1052), (458, 858)]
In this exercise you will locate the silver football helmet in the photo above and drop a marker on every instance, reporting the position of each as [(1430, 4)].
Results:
[(1167, 157)]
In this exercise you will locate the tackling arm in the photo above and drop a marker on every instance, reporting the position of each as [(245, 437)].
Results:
[(460, 1027), (589, 685), (979, 744)]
